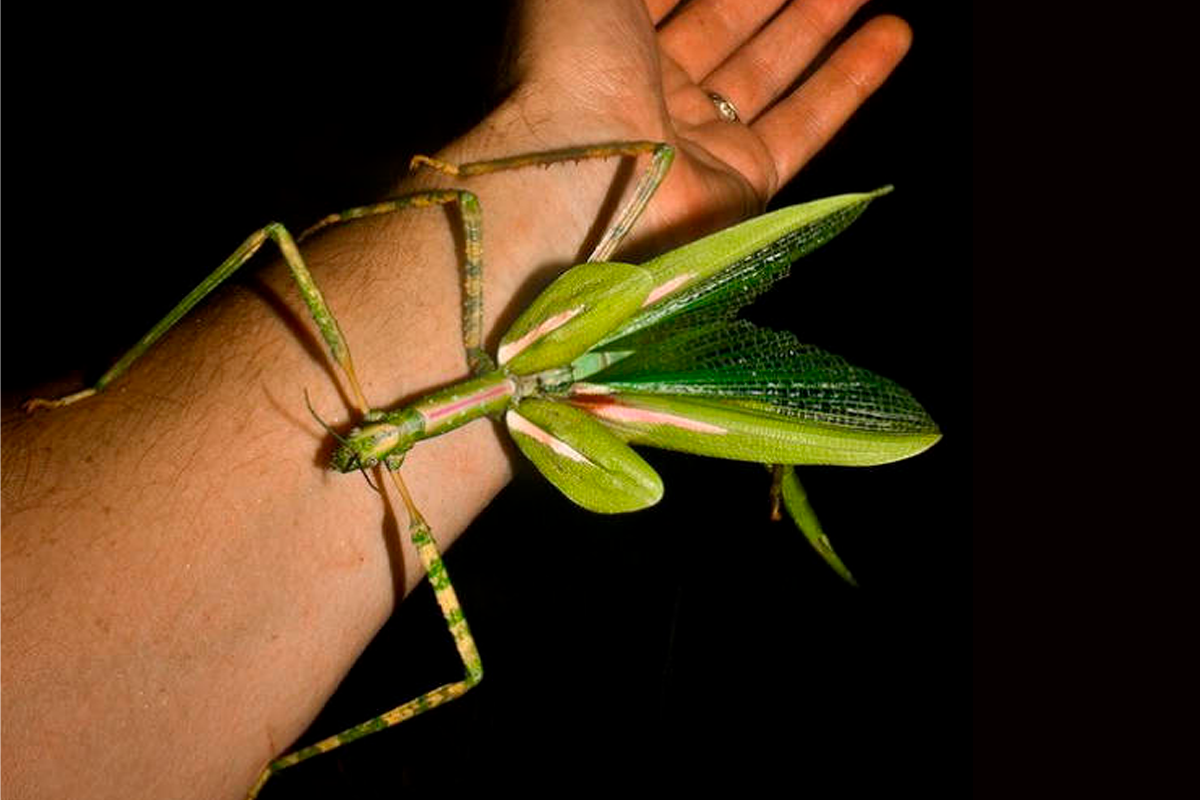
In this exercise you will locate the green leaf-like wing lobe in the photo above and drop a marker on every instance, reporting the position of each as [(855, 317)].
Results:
[(795, 502), (587, 463), (579, 309), (745, 431), (720, 273)]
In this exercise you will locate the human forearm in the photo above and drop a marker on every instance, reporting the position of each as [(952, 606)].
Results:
[(183, 581), (225, 581)]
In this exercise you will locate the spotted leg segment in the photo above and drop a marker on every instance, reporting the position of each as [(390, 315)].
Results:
[(471, 216), (422, 539), (661, 156)]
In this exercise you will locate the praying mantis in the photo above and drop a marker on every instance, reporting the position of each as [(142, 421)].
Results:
[(903, 355), (611, 354)]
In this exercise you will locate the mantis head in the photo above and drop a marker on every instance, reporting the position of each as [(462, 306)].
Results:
[(370, 445)]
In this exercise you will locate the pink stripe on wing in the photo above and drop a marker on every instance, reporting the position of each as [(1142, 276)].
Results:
[(610, 409), (507, 351), (518, 424), (659, 292)]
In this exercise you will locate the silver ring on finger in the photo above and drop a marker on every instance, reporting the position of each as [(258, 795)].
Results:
[(725, 108)]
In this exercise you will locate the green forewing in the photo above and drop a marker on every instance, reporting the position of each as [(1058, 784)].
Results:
[(582, 458), (715, 276), (574, 313), (745, 431)]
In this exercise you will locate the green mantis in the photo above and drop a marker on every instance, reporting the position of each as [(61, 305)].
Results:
[(613, 355)]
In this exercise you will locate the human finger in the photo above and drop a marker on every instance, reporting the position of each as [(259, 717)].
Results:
[(764, 67), (659, 9), (705, 32), (799, 125)]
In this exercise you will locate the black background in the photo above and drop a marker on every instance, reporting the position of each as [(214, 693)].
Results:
[(693, 645)]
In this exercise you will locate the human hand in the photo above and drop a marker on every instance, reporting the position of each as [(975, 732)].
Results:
[(644, 70)]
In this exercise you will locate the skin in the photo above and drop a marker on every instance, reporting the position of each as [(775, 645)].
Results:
[(155, 644)]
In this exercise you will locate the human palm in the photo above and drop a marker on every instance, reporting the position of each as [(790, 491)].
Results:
[(623, 70)]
